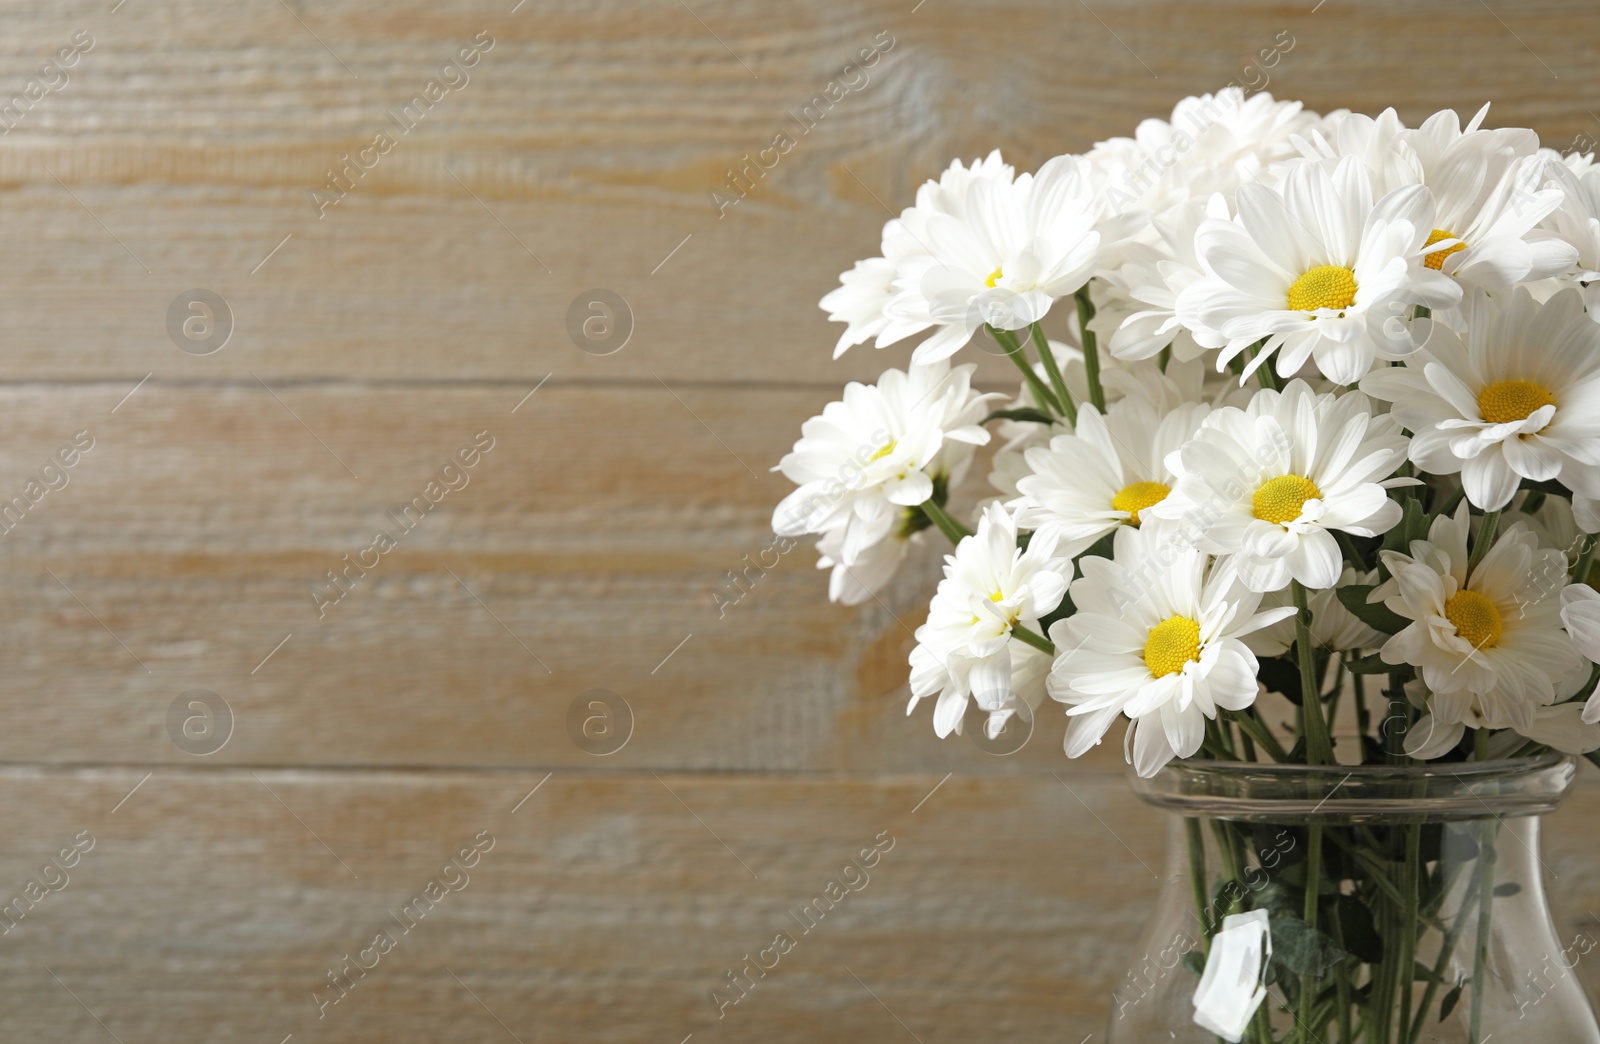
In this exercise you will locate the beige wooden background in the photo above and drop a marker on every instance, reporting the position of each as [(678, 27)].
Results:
[(370, 744)]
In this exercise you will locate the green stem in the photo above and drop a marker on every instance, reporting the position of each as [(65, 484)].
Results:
[(1353, 553), (1219, 739), (1447, 950), (1257, 730), (947, 525), (1336, 929), (1319, 745), (1264, 372), (1041, 343), (1486, 861), (1480, 546), (1013, 349), (1044, 645), (1091, 349), (1197, 875), (1312, 909), (1409, 915), (1363, 715)]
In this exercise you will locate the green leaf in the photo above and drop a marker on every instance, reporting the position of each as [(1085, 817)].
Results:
[(1195, 961), (1302, 949), (1422, 973), (1370, 665), (1280, 675), (1279, 900), (1413, 526), (1357, 929), (1375, 614), (1448, 1003), (1025, 413)]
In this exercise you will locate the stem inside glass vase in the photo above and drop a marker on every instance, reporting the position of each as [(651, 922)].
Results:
[(1396, 911)]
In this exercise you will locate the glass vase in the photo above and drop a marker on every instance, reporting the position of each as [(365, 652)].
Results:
[(1426, 921)]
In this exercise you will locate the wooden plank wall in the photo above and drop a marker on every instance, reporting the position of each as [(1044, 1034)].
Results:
[(372, 737)]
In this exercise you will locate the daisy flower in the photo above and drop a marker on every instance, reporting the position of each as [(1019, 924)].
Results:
[(1270, 483), (1000, 254), (859, 302), (1484, 184), (1316, 268), (1211, 143), (990, 586), (876, 452), (1136, 309), (1161, 647), (1520, 399), (868, 569), (1103, 475), (1577, 221), (1489, 645), (1580, 615), (861, 299)]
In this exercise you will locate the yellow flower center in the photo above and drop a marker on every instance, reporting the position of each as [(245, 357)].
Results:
[(1475, 617), (1326, 286), (1506, 401), (997, 597), (1435, 260), (1135, 498), (1173, 642), (1282, 499), (887, 449), (994, 277)]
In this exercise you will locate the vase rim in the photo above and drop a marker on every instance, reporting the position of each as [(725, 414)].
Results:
[(1424, 792)]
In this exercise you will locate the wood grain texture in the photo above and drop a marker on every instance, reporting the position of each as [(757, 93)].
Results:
[(373, 341), (610, 906), (188, 141)]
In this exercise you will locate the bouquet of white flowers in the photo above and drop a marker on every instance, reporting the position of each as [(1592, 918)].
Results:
[(1328, 413)]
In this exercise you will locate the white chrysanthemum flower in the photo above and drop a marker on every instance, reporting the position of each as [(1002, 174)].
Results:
[(1156, 637), (1332, 625), (981, 245), (990, 586), (1489, 646), (862, 298), (1485, 185), (1317, 269), (1103, 475), (874, 453), (1554, 522), (1488, 199), (1029, 669), (868, 569), (1519, 400), (1010, 249), (1580, 615), (859, 302), (1269, 483), (1577, 221), (1212, 143), (1137, 308)]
